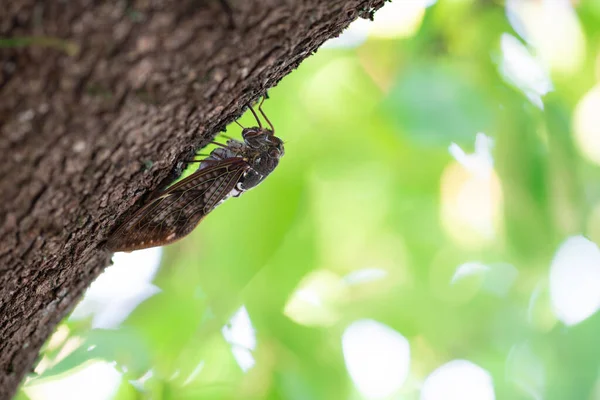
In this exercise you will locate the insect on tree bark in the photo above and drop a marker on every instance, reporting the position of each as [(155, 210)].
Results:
[(228, 171)]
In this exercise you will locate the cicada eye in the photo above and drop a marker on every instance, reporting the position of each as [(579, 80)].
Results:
[(249, 133), (274, 153)]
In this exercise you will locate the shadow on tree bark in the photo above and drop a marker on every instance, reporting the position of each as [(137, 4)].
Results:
[(102, 102)]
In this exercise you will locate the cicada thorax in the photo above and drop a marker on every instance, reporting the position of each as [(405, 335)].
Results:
[(228, 171), (262, 152)]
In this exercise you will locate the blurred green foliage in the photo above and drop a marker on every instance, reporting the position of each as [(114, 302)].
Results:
[(367, 183)]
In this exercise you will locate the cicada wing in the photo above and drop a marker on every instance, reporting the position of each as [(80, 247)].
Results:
[(177, 211)]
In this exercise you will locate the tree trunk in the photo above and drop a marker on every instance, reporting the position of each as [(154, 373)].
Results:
[(102, 102)]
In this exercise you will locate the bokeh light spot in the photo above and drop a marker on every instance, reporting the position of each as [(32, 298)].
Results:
[(95, 380), (471, 196), (313, 302), (120, 288), (458, 380), (553, 29), (377, 358), (401, 18), (523, 70), (587, 125), (240, 334), (575, 280)]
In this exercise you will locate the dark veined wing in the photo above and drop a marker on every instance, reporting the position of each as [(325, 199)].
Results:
[(178, 210)]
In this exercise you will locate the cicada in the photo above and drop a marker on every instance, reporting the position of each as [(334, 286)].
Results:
[(228, 171)]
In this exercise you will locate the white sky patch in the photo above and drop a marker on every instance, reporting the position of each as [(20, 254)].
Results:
[(458, 380), (481, 161), (520, 68), (400, 18), (120, 288), (575, 280), (552, 28), (377, 358), (141, 381), (240, 334), (244, 357), (355, 35), (98, 380)]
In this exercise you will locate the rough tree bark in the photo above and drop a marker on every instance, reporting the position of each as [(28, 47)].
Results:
[(100, 103)]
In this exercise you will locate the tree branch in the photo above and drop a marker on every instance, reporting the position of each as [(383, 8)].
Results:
[(101, 103)]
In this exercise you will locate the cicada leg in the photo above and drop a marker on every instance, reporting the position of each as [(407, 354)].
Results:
[(256, 116), (265, 115)]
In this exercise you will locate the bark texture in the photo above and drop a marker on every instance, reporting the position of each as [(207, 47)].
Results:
[(102, 102)]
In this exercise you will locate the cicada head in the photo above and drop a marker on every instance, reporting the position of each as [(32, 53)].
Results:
[(266, 148)]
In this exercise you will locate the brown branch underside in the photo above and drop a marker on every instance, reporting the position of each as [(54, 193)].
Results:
[(99, 104)]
